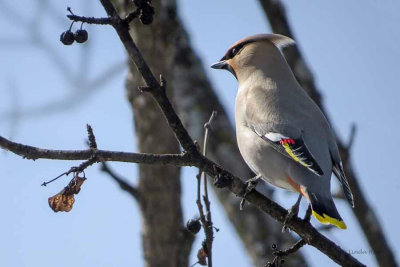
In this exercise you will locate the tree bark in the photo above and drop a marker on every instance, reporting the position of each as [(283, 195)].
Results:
[(166, 46), (165, 240)]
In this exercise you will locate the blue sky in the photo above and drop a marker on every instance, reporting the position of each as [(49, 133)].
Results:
[(352, 48)]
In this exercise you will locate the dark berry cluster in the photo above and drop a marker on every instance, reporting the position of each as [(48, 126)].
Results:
[(68, 37), (146, 11)]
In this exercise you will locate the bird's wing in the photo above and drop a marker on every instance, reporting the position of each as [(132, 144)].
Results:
[(338, 170), (292, 147)]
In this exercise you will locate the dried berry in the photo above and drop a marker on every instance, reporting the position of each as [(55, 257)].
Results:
[(81, 36), (146, 14), (193, 225), (67, 38)]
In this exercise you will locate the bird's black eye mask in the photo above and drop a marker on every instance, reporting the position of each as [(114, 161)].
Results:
[(232, 52), (235, 50)]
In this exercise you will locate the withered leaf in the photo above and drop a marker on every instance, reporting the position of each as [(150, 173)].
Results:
[(61, 202), (64, 200), (202, 257)]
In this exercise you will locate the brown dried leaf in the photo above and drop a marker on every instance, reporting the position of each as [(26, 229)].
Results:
[(61, 202), (64, 200), (202, 257)]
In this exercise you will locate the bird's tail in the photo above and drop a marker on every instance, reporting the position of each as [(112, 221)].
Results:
[(324, 210)]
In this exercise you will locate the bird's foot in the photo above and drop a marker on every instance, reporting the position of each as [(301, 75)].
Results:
[(250, 185), (292, 213)]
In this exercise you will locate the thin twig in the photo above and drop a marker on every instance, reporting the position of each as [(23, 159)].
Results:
[(89, 20), (91, 137), (52, 180), (103, 21), (280, 254), (34, 153), (93, 159), (209, 231), (76, 169), (206, 219), (207, 127), (292, 249)]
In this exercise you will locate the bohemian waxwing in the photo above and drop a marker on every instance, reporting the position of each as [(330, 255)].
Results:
[(282, 134)]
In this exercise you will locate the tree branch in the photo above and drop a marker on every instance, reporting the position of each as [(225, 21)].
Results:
[(34, 153), (279, 254), (103, 21), (303, 228), (205, 218)]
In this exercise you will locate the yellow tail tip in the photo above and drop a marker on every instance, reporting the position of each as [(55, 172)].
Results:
[(325, 219)]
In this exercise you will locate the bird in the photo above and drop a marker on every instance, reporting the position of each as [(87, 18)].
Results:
[(282, 134)]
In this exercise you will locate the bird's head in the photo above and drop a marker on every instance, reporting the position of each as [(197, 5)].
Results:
[(250, 53)]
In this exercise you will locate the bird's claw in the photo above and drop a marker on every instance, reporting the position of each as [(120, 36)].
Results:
[(250, 185), (292, 213)]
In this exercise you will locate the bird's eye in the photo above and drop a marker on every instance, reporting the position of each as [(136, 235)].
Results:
[(234, 51)]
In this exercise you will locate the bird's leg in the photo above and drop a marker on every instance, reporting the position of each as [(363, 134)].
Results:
[(250, 185), (292, 212)]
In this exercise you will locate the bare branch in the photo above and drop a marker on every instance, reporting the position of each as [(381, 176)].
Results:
[(293, 249), (91, 20), (30, 152), (103, 21), (91, 137), (76, 170), (279, 254), (194, 158), (206, 218)]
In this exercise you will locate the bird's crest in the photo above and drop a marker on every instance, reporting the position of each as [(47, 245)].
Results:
[(278, 40)]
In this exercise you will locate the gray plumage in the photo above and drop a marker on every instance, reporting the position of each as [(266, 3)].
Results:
[(282, 134)]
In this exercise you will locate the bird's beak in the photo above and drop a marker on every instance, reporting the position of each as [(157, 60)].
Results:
[(224, 65), (220, 65)]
